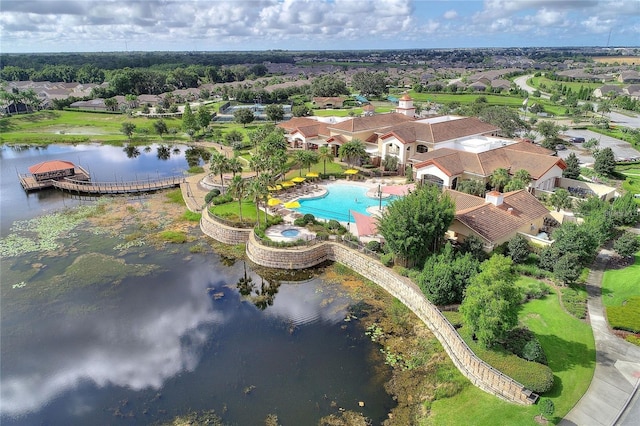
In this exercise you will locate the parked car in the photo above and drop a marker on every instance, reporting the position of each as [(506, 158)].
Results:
[(576, 139), (560, 147)]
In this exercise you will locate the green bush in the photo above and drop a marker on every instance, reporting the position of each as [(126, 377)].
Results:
[(374, 246), (211, 195), (626, 317), (309, 218), (387, 259), (300, 222), (524, 343), (221, 199), (574, 300), (322, 236), (333, 225), (535, 290)]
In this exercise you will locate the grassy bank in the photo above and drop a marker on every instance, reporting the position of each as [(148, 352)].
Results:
[(621, 296), (570, 349)]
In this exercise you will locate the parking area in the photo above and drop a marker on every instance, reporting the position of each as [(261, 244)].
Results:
[(621, 149)]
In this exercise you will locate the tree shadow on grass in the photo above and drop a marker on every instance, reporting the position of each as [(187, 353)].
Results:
[(556, 389), (566, 354)]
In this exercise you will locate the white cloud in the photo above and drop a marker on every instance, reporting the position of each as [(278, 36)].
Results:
[(28, 25), (450, 14)]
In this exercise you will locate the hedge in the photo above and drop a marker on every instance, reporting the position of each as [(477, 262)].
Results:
[(625, 317)]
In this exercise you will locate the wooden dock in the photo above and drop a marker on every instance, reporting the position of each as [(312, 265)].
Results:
[(106, 188), (29, 182)]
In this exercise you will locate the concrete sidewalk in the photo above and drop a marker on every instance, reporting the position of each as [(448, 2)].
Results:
[(617, 372)]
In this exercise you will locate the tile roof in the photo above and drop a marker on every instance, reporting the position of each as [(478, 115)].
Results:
[(51, 166), (419, 131), (372, 123), (296, 122), (497, 222), (511, 157)]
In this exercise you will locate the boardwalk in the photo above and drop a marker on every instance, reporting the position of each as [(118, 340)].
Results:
[(105, 188)]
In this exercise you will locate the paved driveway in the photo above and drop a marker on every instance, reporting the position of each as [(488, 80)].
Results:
[(621, 149)]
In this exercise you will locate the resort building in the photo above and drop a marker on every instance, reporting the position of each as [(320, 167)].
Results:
[(478, 158), (498, 217)]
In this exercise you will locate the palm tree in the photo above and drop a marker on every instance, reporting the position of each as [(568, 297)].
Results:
[(499, 178), (234, 165), (219, 165), (324, 155), (301, 158), (258, 191), (238, 189), (522, 175), (352, 151)]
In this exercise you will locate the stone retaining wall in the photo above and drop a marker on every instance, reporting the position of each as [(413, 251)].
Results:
[(223, 233), (477, 371)]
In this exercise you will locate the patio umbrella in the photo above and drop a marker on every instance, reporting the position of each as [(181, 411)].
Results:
[(298, 179), (274, 202), (288, 184), (312, 175), (351, 172), (278, 187), (292, 205)]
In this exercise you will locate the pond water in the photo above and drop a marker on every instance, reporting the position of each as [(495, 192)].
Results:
[(96, 333)]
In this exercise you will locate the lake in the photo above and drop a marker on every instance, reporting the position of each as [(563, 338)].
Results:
[(102, 330)]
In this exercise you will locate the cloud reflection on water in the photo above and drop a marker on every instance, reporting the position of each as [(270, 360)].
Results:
[(144, 340)]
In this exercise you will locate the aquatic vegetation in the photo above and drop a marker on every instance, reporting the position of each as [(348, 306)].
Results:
[(176, 237), (139, 242), (19, 285), (43, 233)]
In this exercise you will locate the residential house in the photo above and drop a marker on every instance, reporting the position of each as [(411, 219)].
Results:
[(328, 102), (606, 90)]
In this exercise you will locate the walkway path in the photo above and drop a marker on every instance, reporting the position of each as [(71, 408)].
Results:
[(617, 372)]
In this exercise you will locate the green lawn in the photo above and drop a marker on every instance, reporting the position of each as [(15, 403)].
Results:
[(46, 127), (621, 294), (537, 82), (570, 349)]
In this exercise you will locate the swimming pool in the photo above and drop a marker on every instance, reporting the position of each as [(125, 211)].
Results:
[(339, 200)]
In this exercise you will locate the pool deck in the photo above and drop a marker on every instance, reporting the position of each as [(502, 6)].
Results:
[(275, 233)]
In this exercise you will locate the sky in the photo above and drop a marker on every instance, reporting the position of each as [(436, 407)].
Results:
[(223, 25)]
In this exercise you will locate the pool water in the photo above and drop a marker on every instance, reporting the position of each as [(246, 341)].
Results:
[(290, 233), (339, 200)]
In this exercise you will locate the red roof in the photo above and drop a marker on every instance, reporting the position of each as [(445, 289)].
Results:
[(51, 166)]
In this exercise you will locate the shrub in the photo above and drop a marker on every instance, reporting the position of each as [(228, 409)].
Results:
[(535, 290), (300, 222), (387, 259), (575, 301), (547, 408), (374, 246), (333, 225), (309, 218), (322, 236), (518, 248), (524, 343), (221, 199), (211, 195)]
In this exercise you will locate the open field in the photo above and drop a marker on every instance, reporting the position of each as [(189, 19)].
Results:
[(629, 60)]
